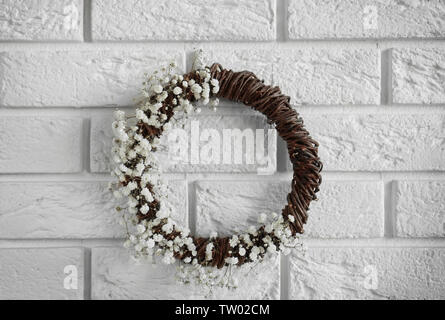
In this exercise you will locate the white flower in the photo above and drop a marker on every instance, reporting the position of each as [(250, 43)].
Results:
[(157, 88), (185, 84), (161, 97), (161, 214), (255, 249), (140, 168), (132, 185), (140, 228), (196, 88), (233, 241), (177, 90), (168, 258), (214, 82), (242, 251), (185, 233), (132, 202), (144, 209), (140, 115), (213, 234), (187, 260), (145, 144), (167, 228), (150, 243), (202, 73), (209, 249), (119, 115), (271, 248), (291, 218), (214, 102), (147, 194), (155, 107)]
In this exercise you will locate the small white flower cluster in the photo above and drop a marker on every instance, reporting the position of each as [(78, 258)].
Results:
[(147, 212)]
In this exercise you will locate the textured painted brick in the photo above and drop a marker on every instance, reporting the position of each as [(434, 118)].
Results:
[(418, 75), (101, 136), (41, 20), (348, 273), (335, 76), (259, 61), (379, 142), (185, 20), (344, 210), (116, 276), (311, 76), (68, 210), (38, 273), (77, 78), (322, 19), (420, 208), (40, 144)]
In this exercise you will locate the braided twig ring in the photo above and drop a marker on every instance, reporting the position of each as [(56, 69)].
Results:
[(244, 87)]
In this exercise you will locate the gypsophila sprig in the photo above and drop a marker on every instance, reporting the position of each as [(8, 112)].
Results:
[(168, 98)]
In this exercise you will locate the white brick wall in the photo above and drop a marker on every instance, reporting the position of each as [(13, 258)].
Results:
[(368, 78)]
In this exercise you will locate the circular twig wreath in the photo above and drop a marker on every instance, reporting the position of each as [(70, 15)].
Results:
[(166, 94)]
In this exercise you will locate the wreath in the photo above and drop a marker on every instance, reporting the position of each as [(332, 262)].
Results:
[(146, 215)]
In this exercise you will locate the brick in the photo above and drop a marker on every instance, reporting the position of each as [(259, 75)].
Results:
[(116, 276), (346, 209), (39, 273), (77, 78), (420, 208), (335, 76), (40, 144), (101, 145), (259, 61), (352, 19), (368, 273), (185, 20), (418, 75), (41, 20), (75, 210), (372, 142)]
